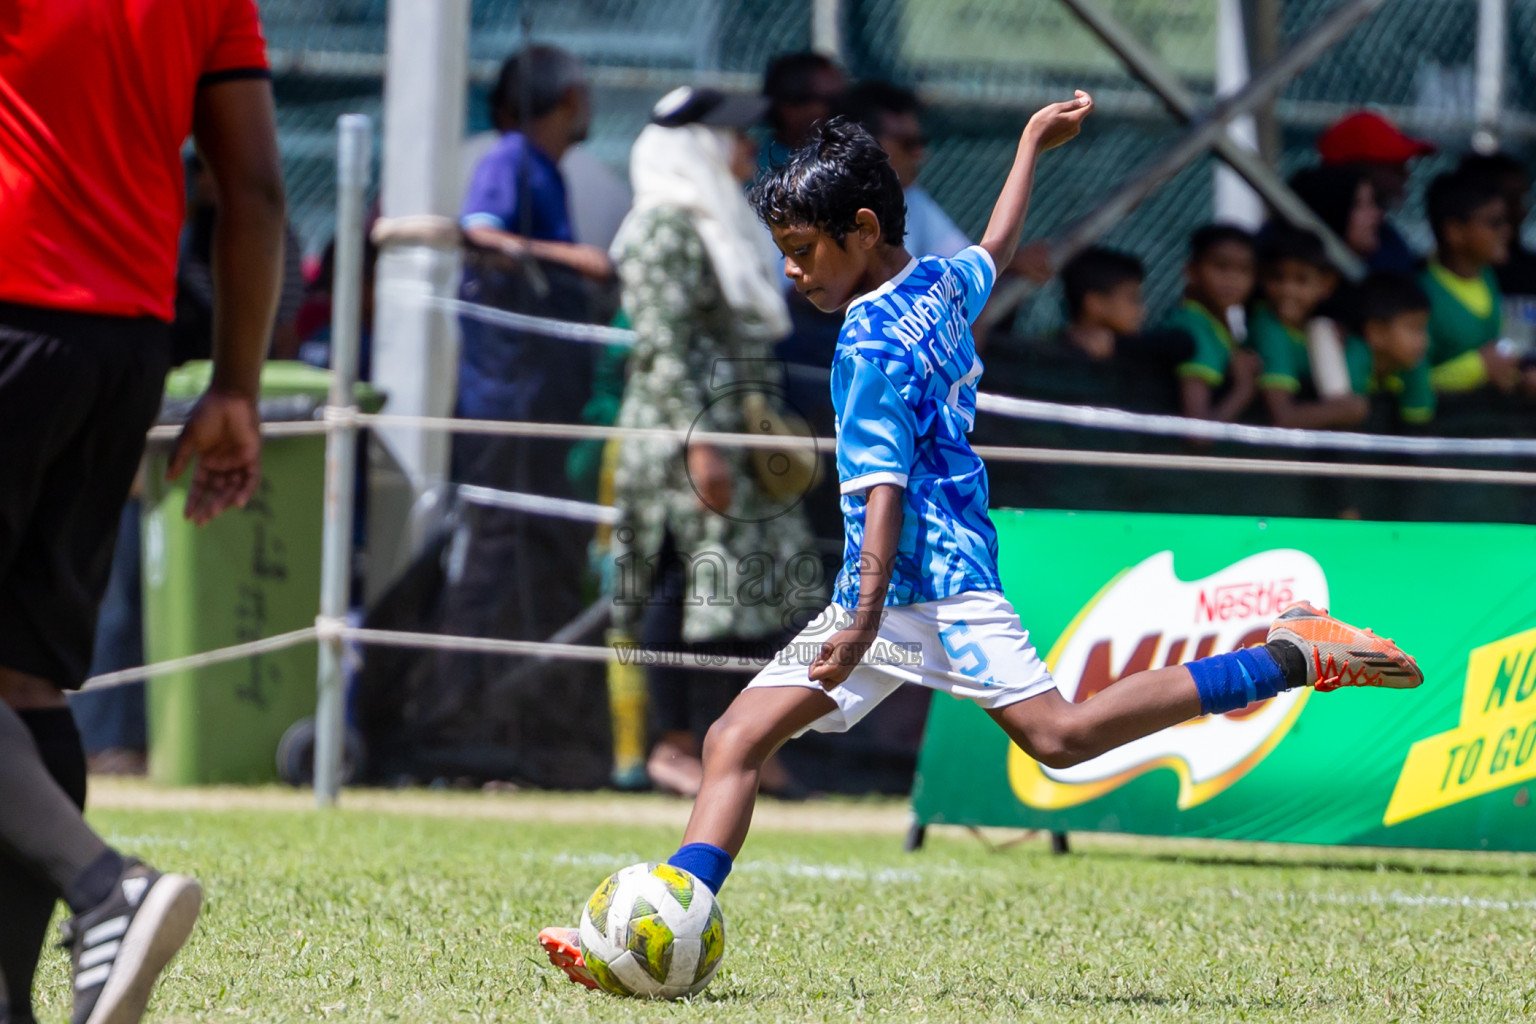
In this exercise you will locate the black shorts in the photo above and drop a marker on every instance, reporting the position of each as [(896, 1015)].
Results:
[(78, 393)]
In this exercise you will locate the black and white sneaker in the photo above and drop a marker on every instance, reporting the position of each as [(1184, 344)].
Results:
[(120, 946)]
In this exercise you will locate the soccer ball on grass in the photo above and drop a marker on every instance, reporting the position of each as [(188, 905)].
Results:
[(652, 931)]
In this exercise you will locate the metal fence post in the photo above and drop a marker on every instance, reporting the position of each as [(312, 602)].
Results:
[(1490, 63), (827, 28), (354, 156)]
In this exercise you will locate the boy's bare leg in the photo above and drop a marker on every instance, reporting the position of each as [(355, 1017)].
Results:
[(757, 723), (1059, 734), (1306, 647)]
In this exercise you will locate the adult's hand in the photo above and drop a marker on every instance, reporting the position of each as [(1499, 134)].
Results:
[(589, 261), (1033, 262), (1503, 368), (711, 476), (223, 435)]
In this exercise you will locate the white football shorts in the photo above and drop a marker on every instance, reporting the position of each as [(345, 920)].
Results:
[(970, 646)]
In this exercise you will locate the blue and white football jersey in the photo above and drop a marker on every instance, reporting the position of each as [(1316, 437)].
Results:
[(904, 390)]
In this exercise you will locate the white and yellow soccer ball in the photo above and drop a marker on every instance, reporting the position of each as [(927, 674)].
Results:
[(653, 931)]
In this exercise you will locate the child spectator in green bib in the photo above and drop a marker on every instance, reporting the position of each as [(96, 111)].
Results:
[(1386, 355), (1101, 290), (1471, 225), (1218, 382), (1131, 368), (1295, 278)]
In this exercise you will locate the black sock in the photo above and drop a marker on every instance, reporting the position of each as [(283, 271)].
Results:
[(26, 901), (95, 883), (1293, 663)]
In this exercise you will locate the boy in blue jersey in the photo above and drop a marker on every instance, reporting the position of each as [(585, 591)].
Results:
[(919, 598)]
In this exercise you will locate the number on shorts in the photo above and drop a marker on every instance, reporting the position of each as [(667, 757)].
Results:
[(971, 650)]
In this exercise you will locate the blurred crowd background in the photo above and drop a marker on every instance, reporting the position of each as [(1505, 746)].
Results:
[(1192, 304)]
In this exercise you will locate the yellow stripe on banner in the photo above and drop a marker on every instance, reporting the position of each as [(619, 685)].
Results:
[(1493, 746)]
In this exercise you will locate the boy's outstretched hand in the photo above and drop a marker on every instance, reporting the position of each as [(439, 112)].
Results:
[(1049, 128), (1059, 122)]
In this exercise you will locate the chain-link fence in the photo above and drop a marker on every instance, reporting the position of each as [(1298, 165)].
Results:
[(982, 64)]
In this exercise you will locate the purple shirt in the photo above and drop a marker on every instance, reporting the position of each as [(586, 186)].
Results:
[(517, 188)]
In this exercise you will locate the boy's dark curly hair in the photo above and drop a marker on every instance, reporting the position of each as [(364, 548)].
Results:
[(826, 182)]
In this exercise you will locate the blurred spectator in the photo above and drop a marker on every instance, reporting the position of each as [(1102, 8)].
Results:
[(1517, 274), (192, 330), (1470, 222), (892, 114), (1101, 290), (1295, 278), (513, 573), (1218, 381), (517, 198), (1387, 353), (801, 89), (315, 314), (597, 199), (700, 286), (1380, 151), (1345, 200), (516, 213)]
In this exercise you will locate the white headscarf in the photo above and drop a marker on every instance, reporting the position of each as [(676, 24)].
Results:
[(688, 167)]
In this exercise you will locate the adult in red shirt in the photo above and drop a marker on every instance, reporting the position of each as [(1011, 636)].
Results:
[(96, 100)]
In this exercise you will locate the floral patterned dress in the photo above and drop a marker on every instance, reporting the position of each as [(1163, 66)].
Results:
[(752, 569)]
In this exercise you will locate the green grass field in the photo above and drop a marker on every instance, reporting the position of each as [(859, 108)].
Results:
[(422, 907)]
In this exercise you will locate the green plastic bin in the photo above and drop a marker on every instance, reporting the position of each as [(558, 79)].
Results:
[(249, 574)]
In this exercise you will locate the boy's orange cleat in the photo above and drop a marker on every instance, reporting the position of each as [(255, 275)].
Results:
[(564, 948), (1338, 654)]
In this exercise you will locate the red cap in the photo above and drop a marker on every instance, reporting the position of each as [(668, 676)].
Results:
[(1367, 137)]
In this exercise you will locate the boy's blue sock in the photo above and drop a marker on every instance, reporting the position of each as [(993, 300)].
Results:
[(709, 864), (1230, 681)]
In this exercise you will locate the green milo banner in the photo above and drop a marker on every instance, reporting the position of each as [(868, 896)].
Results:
[(1449, 765)]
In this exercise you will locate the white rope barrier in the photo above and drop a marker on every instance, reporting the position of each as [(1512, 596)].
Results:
[(293, 428), (335, 418), (1273, 467), (995, 453), (1092, 417), (566, 330), (541, 648), (591, 432), (518, 501), (328, 629), (1281, 437), (192, 662), (1096, 417)]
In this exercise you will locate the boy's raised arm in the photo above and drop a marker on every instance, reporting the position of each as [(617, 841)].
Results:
[(1050, 127)]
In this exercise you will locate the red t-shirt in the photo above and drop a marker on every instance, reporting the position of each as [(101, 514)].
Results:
[(95, 102)]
